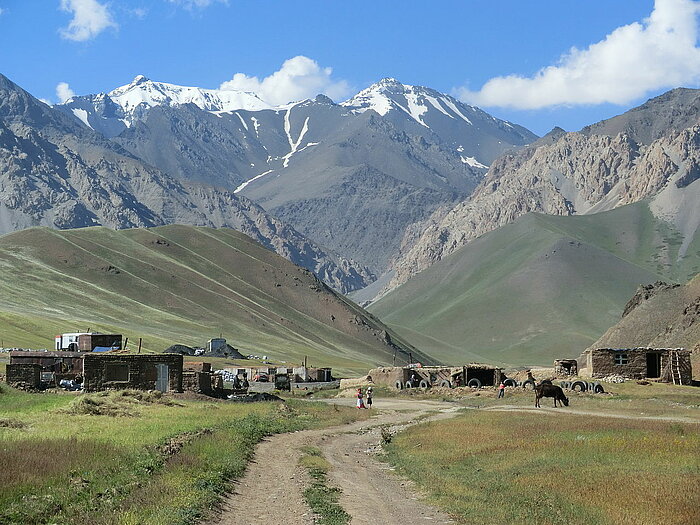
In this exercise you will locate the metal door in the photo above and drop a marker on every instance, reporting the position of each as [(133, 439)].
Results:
[(163, 376)]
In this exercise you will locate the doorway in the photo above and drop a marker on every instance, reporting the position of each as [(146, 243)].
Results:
[(162, 378), (653, 364)]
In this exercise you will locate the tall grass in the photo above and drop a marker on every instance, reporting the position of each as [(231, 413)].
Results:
[(498, 467), (169, 465)]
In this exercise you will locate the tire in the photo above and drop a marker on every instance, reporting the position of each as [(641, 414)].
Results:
[(408, 384), (510, 382), (591, 386), (565, 384), (579, 386), (445, 384), (424, 384), (598, 388), (399, 385), (474, 383), (529, 384)]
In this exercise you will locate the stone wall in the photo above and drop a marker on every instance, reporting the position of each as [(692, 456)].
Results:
[(118, 371), (601, 362), (200, 382), (26, 376)]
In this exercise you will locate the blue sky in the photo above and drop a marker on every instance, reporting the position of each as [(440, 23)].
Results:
[(513, 58)]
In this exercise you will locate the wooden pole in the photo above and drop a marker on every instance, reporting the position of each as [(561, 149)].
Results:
[(139, 345)]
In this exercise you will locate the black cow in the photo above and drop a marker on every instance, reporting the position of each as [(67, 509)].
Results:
[(547, 389)]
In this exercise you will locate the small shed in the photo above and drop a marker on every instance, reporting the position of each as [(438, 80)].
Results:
[(566, 367), (670, 365), (87, 342)]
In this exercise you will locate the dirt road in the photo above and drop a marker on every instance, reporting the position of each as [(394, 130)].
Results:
[(271, 491)]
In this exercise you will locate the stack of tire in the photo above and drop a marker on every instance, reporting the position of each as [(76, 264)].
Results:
[(423, 383), (583, 386)]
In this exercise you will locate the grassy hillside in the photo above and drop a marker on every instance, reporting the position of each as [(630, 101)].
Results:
[(542, 288), (179, 284)]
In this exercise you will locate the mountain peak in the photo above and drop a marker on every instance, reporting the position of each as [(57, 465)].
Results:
[(139, 79)]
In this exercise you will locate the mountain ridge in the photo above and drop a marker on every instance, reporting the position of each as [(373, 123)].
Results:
[(55, 171)]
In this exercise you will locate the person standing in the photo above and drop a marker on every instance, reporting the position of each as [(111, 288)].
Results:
[(369, 397), (360, 402), (501, 390)]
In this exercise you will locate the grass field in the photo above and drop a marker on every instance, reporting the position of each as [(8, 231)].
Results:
[(155, 460), (488, 466), (542, 288)]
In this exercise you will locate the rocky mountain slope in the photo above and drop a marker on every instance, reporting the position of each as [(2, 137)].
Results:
[(651, 152), (658, 315), (55, 171), (182, 284), (541, 288), (352, 176)]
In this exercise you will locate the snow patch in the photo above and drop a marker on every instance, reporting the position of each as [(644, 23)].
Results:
[(82, 115), (245, 124), (454, 108), (256, 125), (472, 161), (415, 108), (436, 104), (293, 144), (251, 180)]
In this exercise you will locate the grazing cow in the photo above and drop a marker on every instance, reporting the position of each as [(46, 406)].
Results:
[(547, 389)]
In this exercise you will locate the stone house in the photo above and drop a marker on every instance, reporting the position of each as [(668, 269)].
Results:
[(666, 364), (161, 372)]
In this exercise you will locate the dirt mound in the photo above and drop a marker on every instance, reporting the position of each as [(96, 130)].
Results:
[(252, 398), (11, 423), (179, 349), (120, 403)]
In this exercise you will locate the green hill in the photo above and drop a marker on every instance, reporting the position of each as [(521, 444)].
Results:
[(181, 284), (541, 288)]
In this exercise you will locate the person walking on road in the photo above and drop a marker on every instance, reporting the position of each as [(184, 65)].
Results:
[(501, 390), (369, 397), (360, 402)]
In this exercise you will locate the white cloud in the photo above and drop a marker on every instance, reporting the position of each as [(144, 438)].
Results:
[(139, 12), (90, 18), (298, 78), (633, 60), (191, 4), (64, 92)]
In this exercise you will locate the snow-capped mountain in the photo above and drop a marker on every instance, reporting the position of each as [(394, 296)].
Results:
[(353, 175), (110, 113), (476, 135), (56, 172)]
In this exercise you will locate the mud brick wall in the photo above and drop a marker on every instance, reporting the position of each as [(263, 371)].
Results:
[(134, 371), (196, 382), (24, 375), (197, 366)]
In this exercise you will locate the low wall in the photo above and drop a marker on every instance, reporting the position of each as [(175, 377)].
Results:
[(24, 375)]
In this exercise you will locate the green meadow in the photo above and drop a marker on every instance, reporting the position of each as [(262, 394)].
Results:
[(132, 457), (493, 466)]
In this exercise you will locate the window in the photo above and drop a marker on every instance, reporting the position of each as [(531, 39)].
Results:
[(620, 359), (117, 372)]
